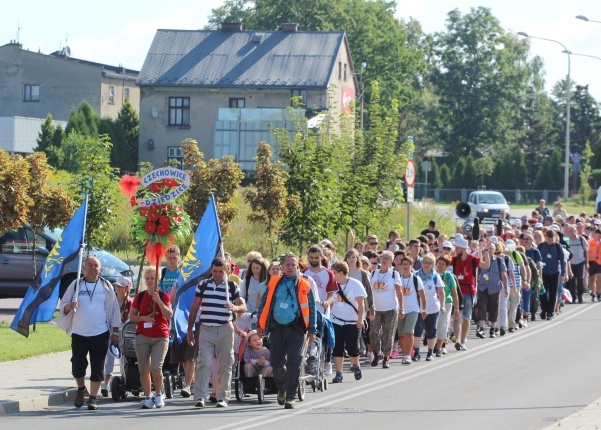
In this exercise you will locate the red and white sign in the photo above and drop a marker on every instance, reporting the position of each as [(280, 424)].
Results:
[(410, 174), (348, 96)]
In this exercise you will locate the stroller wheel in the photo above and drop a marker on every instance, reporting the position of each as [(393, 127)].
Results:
[(115, 387), (314, 386), (167, 386), (239, 389), (261, 389), (302, 385)]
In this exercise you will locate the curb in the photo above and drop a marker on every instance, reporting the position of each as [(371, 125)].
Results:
[(37, 403)]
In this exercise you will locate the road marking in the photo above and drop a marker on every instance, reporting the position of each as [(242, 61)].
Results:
[(363, 389)]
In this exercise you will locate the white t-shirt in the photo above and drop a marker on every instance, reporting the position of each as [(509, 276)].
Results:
[(253, 289), (343, 311), (383, 289), (320, 279), (431, 293), (90, 318), (410, 303)]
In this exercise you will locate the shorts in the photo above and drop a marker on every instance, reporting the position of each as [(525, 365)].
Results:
[(151, 352), (407, 324), (429, 324), (181, 352), (444, 320), (594, 268), (346, 337), (469, 301), (96, 346)]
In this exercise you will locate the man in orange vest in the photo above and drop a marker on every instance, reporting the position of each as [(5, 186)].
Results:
[(594, 263), (287, 311)]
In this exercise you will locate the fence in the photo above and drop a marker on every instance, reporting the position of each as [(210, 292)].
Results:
[(442, 195)]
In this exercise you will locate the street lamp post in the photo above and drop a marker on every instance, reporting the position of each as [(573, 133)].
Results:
[(584, 18), (566, 171)]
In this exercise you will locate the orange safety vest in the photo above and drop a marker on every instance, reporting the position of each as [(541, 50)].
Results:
[(303, 299), (594, 251)]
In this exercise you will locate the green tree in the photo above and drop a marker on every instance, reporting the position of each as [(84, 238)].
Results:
[(436, 179), (221, 177), (267, 198), (484, 167), (585, 174), (49, 141), (479, 76), (445, 176), (469, 177), (129, 121), (458, 173), (544, 176), (93, 175), (83, 121)]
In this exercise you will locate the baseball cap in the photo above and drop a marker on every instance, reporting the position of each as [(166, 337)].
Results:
[(123, 282), (494, 239), (538, 225), (447, 244), (489, 228), (554, 227), (510, 245), (549, 218)]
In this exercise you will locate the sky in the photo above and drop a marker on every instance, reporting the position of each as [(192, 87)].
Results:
[(120, 32)]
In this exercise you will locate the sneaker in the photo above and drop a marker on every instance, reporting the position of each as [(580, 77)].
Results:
[(376, 360), (92, 404), (463, 347), (406, 360), (453, 338), (543, 316), (525, 323), (186, 391), (353, 367), (443, 350), (148, 403), (368, 358), (105, 391), (338, 378), (458, 346), (511, 330), (281, 398), (438, 353), (385, 364), (502, 331), (416, 357), (212, 398), (521, 322), (79, 396), (290, 404), (328, 370), (429, 357), (159, 401), (395, 354), (358, 374), (480, 332), (221, 404), (492, 334), (199, 403), (549, 317)]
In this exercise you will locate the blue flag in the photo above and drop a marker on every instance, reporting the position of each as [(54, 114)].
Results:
[(196, 266), (40, 301)]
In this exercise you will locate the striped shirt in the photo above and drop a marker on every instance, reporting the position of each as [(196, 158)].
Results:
[(213, 300)]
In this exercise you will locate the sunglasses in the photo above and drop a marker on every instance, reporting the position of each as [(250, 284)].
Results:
[(374, 262), (373, 243), (446, 248)]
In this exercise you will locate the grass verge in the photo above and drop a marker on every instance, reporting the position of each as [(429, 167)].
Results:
[(47, 338)]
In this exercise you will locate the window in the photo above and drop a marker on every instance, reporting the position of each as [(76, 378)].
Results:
[(344, 72), (20, 241), (126, 93), (111, 95), (31, 93), (339, 70), (175, 153), (236, 103), (299, 96), (179, 111)]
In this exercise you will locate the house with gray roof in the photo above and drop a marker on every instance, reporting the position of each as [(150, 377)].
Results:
[(227, 88)]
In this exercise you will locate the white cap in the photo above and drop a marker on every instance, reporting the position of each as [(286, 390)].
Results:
[(538, 225), (447, 244), (461, 243), (123, 282), (489, 228), (510, 245), (494, 239), (516, 221), (554, 227)]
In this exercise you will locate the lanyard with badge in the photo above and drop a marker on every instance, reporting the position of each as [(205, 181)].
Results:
[(91, 295), (287, 283)]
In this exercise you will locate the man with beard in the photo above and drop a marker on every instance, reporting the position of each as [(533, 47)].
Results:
[(465, 267)]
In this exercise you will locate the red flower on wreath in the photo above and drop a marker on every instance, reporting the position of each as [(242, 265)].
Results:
[(143, 211), (171, 183), (129, 185), (164, 220), (152, 216), (163, 230), (150, 227), (155, 187)]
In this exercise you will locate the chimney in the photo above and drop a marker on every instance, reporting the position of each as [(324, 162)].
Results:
[(231, 26), (289, 26)]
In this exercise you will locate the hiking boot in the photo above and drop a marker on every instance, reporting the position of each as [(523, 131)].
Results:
[(79, 396), (281, 398), (92, 404)]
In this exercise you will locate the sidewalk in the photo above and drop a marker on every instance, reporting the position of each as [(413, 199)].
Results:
[(35, 383)]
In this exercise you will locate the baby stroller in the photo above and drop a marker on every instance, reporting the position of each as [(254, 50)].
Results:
[(129, 380), (314, 363), (258, 384)]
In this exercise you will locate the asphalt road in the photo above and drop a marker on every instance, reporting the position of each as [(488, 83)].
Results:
[(523, 380)]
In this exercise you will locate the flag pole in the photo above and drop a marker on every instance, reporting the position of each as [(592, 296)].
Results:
[(81, 245)]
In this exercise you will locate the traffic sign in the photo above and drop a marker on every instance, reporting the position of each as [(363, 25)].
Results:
[(410, 195), (410, 174), (576, 158)]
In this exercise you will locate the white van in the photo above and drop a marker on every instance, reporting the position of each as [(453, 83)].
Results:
[(487, 205)]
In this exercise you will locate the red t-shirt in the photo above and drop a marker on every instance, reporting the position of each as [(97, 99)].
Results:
[(464, 270), (143, 303)]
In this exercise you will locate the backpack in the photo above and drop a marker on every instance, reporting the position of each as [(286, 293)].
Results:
[(535, 274)]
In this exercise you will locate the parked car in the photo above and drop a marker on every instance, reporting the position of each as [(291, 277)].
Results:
[(487, 205), (16, 261)]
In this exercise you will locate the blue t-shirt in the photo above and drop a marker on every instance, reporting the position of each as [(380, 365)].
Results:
[(285, 303), (168, 280)]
